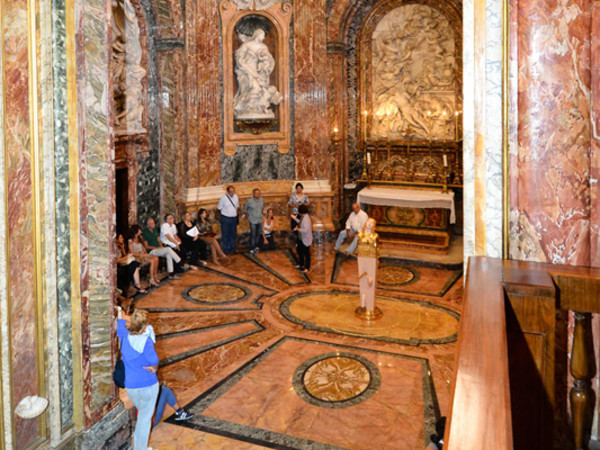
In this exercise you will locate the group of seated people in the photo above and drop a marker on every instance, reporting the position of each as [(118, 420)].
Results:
[(183, 246)]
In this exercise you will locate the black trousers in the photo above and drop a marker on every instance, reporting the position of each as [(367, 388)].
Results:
[(194, 249), (303, 254)]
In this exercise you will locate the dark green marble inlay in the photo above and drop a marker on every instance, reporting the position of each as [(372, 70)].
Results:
[(62, 210)]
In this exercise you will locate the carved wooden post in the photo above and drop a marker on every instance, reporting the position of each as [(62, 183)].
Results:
[(579, 370)]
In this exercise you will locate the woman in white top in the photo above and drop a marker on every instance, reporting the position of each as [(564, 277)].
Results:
[(304, 227), (298, 198), (268, 226)]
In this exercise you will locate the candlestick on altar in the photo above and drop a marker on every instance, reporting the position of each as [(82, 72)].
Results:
[(456, 125)]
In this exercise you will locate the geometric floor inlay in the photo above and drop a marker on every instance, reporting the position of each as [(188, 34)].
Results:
[(217, 293), (404, 321), (336, 380)]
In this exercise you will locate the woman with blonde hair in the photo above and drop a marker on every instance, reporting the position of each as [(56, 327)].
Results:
[(141, 363)]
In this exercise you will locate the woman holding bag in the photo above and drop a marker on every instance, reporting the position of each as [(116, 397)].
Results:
[(141, 363)]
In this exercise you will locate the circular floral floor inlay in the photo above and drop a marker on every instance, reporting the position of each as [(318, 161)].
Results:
[(394, 275), (216, 293), (336, 380)]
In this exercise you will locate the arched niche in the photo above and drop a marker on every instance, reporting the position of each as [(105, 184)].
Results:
[(409, 72), (241, 132)]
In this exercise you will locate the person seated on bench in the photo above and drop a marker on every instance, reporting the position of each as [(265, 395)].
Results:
[(128, 260), (136, 248), (191, 242), (205, 229), (268, 227), (355, 223), (151, 236)]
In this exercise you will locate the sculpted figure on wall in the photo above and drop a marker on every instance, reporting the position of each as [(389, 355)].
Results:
[(254, 4), (127, 72), (253, 67), (413, 72)]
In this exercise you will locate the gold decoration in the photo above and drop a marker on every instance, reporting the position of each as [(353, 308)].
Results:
[(337, 379), (216, 293), (394, 275), (367, 244)]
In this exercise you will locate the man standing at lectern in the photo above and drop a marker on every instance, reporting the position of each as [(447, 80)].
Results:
[(354, 224)]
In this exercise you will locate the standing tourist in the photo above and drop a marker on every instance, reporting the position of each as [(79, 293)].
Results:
[(254, 210), (305, 240), (228, 207), (298, 198), (141, 363)]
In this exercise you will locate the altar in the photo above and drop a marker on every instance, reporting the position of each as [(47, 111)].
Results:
[(413, 217)]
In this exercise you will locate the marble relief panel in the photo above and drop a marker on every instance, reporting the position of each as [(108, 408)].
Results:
[(413, 77), (19, 239), (127, 70)]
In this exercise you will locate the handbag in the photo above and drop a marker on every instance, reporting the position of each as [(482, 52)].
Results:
[(119, 371)]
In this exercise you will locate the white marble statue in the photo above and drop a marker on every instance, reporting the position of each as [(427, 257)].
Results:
[(253, 67), (254, 4)]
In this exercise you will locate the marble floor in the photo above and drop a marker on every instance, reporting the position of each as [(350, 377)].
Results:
[(266, 356)]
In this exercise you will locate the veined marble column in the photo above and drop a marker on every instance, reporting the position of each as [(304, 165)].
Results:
[(550, 169)]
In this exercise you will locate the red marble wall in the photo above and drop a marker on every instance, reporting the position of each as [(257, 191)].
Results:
[(550, 176), (311, 78), (204, 94), (20, 210)]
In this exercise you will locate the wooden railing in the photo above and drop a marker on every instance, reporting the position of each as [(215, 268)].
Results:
[(504, 395)]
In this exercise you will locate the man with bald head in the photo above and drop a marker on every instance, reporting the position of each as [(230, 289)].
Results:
[(355, 223)]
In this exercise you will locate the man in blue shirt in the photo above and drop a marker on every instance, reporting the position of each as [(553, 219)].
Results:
[(254, 211)]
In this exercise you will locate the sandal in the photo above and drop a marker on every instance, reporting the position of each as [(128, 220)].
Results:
[(140, 290), (154, 283)]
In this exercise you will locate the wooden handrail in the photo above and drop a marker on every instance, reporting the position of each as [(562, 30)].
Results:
[(480, 410), (505, 368)]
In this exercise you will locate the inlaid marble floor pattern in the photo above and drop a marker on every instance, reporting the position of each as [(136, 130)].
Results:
[(269, 357)]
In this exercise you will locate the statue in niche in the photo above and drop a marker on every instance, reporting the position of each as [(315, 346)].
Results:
[(126, 70), (253, 67), (254, 4)]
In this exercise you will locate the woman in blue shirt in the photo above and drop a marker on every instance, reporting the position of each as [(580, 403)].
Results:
[(141, 362)]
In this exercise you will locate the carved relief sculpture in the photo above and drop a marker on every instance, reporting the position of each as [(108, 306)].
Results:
[(254, 4), (127, 72), (413, 72), (253, 67)]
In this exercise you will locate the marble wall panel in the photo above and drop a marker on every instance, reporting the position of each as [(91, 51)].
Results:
[(205, 151), (19, 211), (62, 213), (97, 208), (148, 167), (312, 133), (169, 18), (257, 163), (172, 108), (595, 137), (552, 179)]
